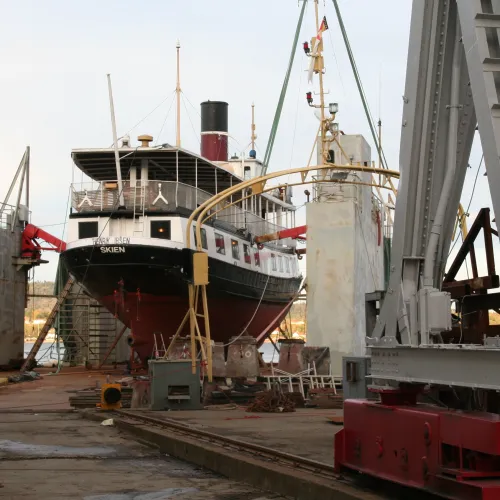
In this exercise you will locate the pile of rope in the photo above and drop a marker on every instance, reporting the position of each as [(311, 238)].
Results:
[(272, 402)]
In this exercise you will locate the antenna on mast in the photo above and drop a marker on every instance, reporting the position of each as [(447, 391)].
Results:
[(178, 92)]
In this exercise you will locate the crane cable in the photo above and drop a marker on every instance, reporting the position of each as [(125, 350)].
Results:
[(362, 94), (279, 107)]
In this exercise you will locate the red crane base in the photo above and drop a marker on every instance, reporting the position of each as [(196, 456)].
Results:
[(451, 453)]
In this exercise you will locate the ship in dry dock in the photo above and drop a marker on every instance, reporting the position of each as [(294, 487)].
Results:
[(125, 245)]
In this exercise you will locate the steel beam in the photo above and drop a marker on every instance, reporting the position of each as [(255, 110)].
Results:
[(459, 289), (449, 365), (480, 301), (481, 222)]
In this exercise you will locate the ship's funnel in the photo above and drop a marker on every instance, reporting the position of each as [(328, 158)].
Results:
[(214, 130)]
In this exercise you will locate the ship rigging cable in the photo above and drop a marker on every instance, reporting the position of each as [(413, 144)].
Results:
[(165, 120), (190, 121), (470, 200), (279, 107), (362, 94), (150, 113), (254, 314), (258, 306)]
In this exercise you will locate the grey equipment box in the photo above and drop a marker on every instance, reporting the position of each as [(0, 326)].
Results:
[(173, 385), (355, 377)]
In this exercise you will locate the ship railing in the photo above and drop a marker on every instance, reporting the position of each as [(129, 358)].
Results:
[(151, 196), (161, 196), (257, 226), (6, 215)]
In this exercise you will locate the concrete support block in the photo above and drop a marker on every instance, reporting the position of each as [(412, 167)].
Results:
[(218, 360), (181, 349), (347, 264), (290, 359), (208, 388), (141, 397), (242, 358)]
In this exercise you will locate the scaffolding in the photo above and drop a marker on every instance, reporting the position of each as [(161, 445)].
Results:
[(87, 332)]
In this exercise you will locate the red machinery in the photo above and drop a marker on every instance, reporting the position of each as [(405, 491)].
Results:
[(32, 249), (454, 454), (294, 233), (297, 233)]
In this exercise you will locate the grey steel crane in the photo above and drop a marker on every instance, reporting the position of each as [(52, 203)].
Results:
[(452, 447)]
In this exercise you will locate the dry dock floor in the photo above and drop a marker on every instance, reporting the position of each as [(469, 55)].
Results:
[(62, 456), (49, 452), (306, 432)]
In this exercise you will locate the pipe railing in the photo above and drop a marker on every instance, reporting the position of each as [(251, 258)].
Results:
[(163, 196)]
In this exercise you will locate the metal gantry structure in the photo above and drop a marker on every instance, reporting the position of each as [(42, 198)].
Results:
[(447, 93), (197, 262), (452, 89)]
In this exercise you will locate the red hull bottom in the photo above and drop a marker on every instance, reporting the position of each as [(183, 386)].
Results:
[(147, 314), (450, 453)]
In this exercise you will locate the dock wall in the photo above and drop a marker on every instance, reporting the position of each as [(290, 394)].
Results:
[(12, 293)]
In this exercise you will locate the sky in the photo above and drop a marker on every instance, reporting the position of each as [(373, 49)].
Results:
[(55, 54)]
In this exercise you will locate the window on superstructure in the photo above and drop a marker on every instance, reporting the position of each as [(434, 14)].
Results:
[(246, 254), (161, 229), (220, 244), (280, 263), (204, 242), (88, 230), (235, 249), (273, 262), (256, 258), (287, 264)]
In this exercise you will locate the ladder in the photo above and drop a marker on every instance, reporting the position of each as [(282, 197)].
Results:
[(47, 326), (159, 350), (139, 210)]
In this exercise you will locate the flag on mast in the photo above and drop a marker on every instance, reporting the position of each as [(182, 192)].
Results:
[(316, 42)]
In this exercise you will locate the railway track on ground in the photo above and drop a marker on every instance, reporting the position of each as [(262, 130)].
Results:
[(258, 451)]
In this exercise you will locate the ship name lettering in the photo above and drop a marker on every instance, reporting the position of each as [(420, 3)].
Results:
[(122, 240), (112, 249), (100, 241)]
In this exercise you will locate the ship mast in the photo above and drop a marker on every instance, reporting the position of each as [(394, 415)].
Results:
[(315, 52), (121, 199), (178, 92), (319, 62), (253, 136)]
